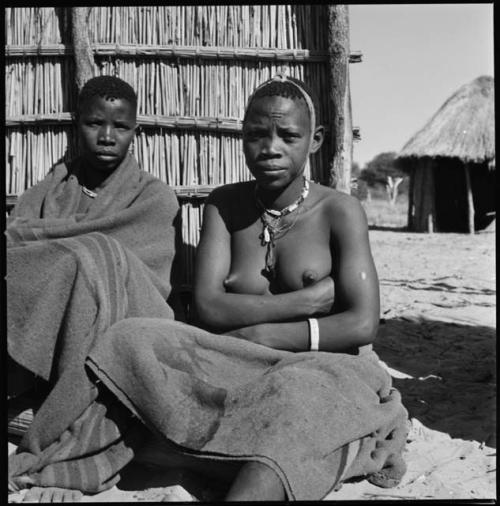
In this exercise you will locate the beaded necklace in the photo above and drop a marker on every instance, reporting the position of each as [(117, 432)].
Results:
[(273, 227), (88, 192)]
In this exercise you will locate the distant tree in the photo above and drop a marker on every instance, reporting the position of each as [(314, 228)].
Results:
[(359, 188), (355, 169), (383, 170)]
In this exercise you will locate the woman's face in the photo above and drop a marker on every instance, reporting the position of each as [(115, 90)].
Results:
[(276, 140), (106, 128)]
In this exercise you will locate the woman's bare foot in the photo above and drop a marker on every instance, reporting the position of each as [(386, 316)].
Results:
[(52, 494)]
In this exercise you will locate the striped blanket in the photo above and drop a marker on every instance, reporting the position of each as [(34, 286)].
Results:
[(317, 419), (166, 392), (70, 276)]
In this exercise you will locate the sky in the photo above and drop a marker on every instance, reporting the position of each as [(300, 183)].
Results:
[(415, 56)]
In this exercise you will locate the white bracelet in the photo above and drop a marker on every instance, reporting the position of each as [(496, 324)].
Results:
[(313, 334)]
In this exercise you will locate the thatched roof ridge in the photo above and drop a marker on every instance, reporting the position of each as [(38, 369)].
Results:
[(464, 126)]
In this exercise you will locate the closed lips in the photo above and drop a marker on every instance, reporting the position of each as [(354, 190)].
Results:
[(268, 167)]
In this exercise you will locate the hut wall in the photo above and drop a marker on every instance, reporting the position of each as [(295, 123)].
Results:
[(483, 181), (451, 196), (193, 68), (438, 196), (422, 214)]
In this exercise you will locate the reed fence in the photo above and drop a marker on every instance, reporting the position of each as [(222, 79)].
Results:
[(193, 68)]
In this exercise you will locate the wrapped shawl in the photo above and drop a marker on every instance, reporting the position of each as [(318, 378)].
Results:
[(134, 207), (71, 276)]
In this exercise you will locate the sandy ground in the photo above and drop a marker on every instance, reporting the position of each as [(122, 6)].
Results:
[(438, 298)]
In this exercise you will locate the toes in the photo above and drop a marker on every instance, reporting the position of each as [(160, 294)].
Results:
[(52, 494), (73, 496)]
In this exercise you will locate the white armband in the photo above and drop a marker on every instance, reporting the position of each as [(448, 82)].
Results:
[(313, 334)]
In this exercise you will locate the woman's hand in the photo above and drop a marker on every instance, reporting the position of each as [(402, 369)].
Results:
[(320, 294), (270, 335), (252, 333), (291, 336)]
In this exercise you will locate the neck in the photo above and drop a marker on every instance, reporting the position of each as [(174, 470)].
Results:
[(279, 199), (93, 178)]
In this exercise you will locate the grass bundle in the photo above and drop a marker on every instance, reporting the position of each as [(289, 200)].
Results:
[(185, 155), (33, 25), (191, 218), (31, 152), (38, 86), (189, 88), (184, 158), (265, 26)]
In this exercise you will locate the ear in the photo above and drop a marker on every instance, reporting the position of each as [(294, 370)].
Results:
[(318, 138)]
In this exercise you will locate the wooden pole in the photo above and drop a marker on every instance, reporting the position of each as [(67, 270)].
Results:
[(429, 197), (411, 200), (341, 132), (84, 58), (470, 200)]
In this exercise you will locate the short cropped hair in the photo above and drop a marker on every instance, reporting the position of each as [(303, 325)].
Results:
[(285, 89), (107, 87)]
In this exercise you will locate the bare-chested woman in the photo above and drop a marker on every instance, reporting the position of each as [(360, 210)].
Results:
[(282, 261)]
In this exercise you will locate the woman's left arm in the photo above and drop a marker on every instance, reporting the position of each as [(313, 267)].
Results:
[(356, 313)]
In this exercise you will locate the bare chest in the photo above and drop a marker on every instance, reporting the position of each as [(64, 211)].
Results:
[(301, 245)]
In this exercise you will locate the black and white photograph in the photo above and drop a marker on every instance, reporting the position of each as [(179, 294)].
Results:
[(250, 252)]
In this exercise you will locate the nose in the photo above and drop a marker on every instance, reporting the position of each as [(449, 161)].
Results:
[(106, 135), (270, 146)]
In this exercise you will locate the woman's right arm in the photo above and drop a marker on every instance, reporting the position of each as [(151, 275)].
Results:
[(222, 311)]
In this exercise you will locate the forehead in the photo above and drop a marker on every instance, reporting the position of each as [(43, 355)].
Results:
[(278, 107), (105, 105)]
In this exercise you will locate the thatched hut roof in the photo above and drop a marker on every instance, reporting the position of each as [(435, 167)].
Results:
[(464, 127)]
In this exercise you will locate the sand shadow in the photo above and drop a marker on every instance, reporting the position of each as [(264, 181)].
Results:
[(437, 285), (452, 374), (388, 229)]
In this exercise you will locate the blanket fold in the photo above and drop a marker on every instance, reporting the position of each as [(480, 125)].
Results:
[(134, 208)]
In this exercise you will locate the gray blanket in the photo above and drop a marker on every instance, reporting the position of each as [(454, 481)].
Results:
[(315, 418), (70, 276)]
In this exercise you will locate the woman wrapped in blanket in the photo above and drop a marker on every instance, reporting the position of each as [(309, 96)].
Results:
[(90, 244), (282, 261)]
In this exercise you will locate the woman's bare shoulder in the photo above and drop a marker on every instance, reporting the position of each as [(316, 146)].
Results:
[(336, 199), (342, 207)]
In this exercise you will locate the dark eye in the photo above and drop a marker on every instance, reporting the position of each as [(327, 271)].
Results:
[(93, 123), (258, 133), (251, 135), (288, 137)]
